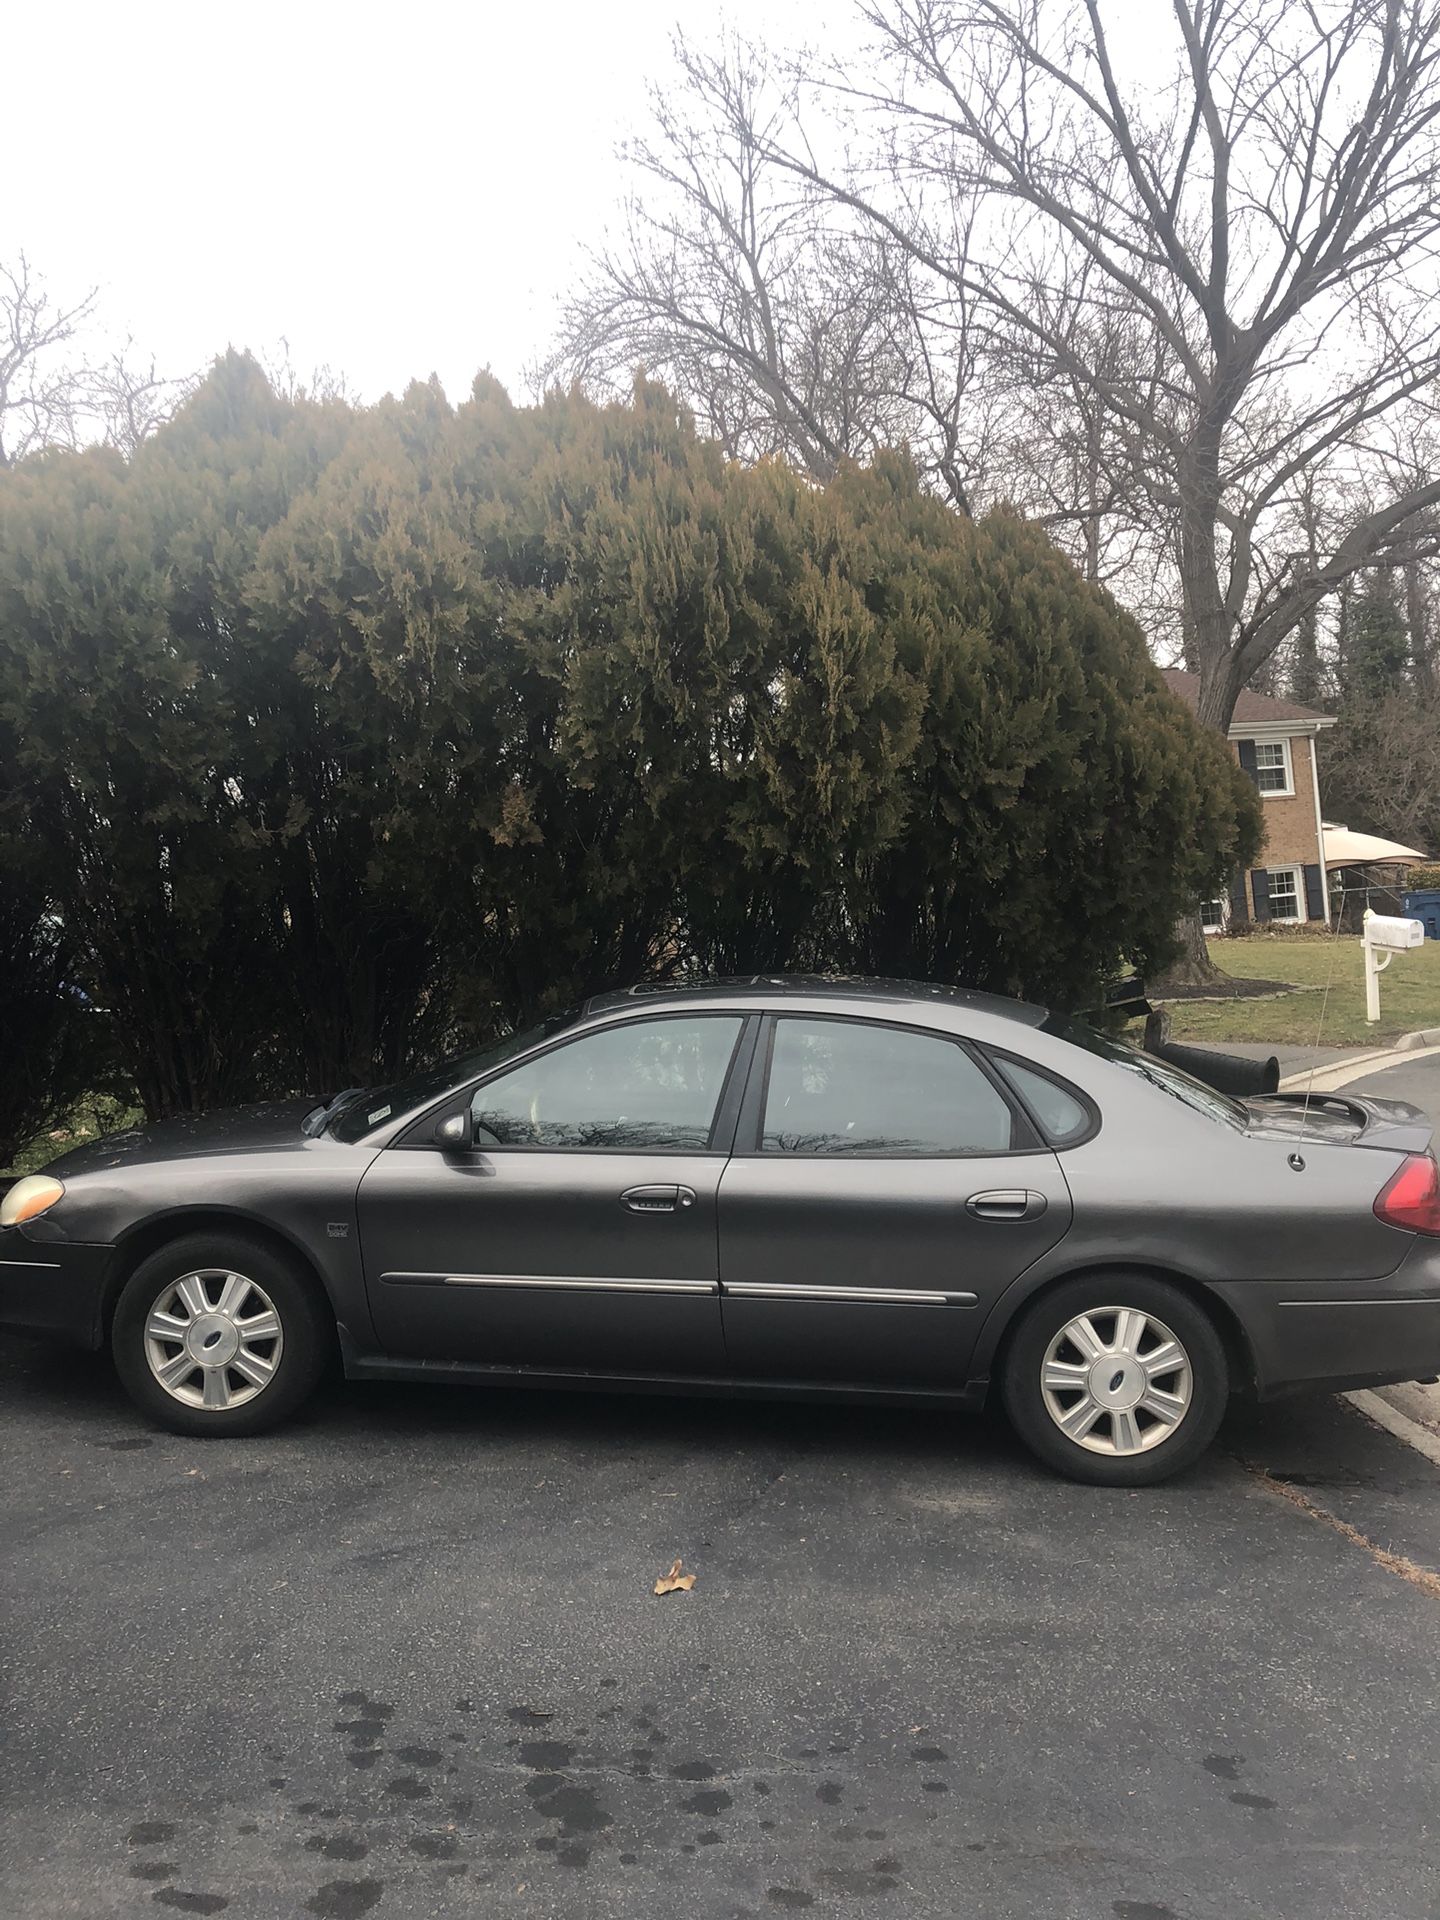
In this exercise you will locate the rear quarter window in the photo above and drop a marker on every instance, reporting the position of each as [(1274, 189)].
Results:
[(1063, 1117)]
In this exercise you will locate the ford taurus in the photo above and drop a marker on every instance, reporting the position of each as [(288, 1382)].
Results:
[(872, 1190)]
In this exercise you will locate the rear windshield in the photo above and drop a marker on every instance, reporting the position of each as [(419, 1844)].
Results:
[(1175, 1081)]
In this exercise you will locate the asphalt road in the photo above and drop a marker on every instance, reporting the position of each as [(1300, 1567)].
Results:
[(404, 1659), (1417, 1081)]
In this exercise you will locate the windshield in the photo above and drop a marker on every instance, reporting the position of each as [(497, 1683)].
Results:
[(1172, 1080), (375, 1105)]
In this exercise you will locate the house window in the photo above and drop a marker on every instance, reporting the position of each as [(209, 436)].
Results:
[(1214, 914), (1287, 898), (1272, 766)]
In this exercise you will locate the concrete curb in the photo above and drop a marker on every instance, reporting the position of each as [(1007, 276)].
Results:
[(1339, 1073), (1400, 1424), (1422, 1037)]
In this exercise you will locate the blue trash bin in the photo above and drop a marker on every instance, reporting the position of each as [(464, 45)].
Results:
[(1425, 906)]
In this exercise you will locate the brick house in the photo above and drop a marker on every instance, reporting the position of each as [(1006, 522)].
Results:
[(1275, 742)]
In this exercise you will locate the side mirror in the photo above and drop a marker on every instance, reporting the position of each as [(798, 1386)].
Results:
[(453, 1132)]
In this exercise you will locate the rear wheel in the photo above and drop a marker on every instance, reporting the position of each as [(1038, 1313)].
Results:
[(219, 1335), (1119, 1380)]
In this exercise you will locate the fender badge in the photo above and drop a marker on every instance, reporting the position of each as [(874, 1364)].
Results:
[(338, 1229)]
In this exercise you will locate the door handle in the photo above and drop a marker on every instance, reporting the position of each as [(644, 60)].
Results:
[(657, 1199), (1006, 1203)]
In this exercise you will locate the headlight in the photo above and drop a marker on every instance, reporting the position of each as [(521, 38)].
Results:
[(29, 1197)]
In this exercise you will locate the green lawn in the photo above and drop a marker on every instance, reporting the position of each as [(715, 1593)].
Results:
[(1409, 993)]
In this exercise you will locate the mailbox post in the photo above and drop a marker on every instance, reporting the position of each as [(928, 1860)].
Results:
[(1385, 934)]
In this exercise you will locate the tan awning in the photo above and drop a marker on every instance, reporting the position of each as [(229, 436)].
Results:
[(1346, 849)]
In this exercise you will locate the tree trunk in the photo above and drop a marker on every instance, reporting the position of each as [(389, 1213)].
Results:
[(1305, 667), (1209, 629), (1415, 618), (1192, 966), (1219, 690), (1092, 498)]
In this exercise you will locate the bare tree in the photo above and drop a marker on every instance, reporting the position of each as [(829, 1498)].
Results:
[(322, 383), (1382, 766), (1065, 460), (789, 325), (1261, 219), (1304, 662), (1315, 658), (38, 385), (122, 400), (51, 394), (1420, 619)]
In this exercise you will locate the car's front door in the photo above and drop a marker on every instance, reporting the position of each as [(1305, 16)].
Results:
[(577, 1228), (883, 1193)]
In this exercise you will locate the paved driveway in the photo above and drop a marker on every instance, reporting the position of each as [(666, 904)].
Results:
[(1415, 1080), (403, 1659)]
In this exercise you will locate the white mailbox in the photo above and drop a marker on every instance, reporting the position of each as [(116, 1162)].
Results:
[(1385, 933), (1395, 936)]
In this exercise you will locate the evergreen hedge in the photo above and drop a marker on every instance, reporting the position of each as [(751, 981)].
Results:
[(342, 735)]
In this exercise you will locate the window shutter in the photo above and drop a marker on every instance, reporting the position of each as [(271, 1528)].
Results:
[(1246, 751), (1314, 894), (1239, 903), (1260, 890)]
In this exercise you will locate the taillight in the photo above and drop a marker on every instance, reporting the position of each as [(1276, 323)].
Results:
[(1411, 1197)]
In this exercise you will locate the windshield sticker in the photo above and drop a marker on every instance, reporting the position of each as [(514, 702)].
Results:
[(381, 1113)]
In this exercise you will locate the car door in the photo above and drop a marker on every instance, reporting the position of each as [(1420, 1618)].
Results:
[(884, 1191), (577, 1229)]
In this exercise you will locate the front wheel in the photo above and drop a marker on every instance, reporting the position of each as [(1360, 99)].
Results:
[(1118, 1380), (219, 1336)]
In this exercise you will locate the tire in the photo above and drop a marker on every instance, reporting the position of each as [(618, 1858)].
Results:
[(1088, 1352), (247, 1304)]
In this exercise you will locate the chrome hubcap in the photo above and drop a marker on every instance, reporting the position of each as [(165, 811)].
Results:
[(213, 1339), (1116, 1380)]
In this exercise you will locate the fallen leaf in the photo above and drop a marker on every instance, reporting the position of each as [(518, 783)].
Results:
[(675, 1581)]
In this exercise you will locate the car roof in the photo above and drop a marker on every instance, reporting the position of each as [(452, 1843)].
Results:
[(815, 986)]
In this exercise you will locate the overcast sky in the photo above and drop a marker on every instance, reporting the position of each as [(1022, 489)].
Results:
[(396, 189)]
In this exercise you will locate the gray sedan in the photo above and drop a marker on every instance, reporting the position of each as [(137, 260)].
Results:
[(878, 1191)]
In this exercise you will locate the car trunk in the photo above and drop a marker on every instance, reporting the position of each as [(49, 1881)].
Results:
[(1341, 1119)]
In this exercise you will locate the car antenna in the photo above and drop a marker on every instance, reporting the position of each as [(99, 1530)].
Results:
[(1334, 938)]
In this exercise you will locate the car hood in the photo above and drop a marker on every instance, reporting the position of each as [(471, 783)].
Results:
[(271, 1128)]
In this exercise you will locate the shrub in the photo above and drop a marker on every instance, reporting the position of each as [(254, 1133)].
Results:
[(349, 733)]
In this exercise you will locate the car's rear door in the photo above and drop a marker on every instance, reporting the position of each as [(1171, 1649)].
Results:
[(884, 1191), (577, 1230)]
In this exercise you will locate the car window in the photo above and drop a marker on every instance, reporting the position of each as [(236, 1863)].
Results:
[(1062, 1117), (839, 1086), (648, 1086)]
